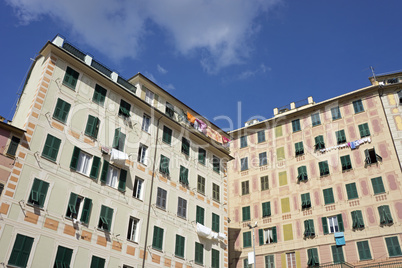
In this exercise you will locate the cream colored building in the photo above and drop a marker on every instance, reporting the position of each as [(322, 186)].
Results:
[(322, 182), (111, 172)]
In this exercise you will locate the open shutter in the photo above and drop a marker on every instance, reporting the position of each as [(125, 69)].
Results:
[(116, 138), (122, 180), (86, 210), (42, 192), (35, 190), (105, 169), (340, 222), (311, 227), (306, 228), (74, 158), (95, 168), (274, 236), (55, 148), (72, 202), (109, 217), (261, 236), (324, 225)]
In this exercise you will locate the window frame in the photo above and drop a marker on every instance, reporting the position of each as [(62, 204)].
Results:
[(363, 249), (351, 191), (202, 155), (263, 159), (246, 213), (61, 110), (261, 136), (201, 184), (267, 236), (358, 106), (299, 149), (63, 257), (185, 146), (124, 109), (336, 113), (216, 164), (340, 136), (378, 185), (73, 75), (296, 125), (215, 192), (245, 187), (37, 195), (393, 242), (92, 127), (346, 163), (161, 198), (244, 164), (146, 123), (164, 165), (21, 244), (305, 201), (138, 188), (142, 154), (200, 215), (315, 119), (266, 209), (13, 146), (243, 141), (52, 148), (106, 215), (181, 207), (99, 95), (328, 194), (247, 239), (133, 229), (157, 239), (119, 140), (199, 253), (264, 183), (364, 130), (180, 246), (324, 168)]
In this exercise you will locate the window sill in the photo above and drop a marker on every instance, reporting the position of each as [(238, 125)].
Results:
[(295, 131), (316, 125), (147, 132), (69, 86), (136, 198), (359, 112), (58, 120), (132, 241), (9, 156), (216, 200), (103, 230), (91, 137), (48, 159), (202, 193), (336, 119), (161, 208), (34, 206), (181, 217)]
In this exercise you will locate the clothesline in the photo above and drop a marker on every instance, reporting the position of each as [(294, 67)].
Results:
[(352, 145)]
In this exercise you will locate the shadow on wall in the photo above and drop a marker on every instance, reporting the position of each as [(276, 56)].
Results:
[(234, 254)]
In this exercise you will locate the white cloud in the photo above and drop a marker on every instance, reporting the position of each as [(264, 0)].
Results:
[(218, 32), (161, 69), (250, 73)]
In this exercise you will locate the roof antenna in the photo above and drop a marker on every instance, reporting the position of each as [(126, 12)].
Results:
[(372, 70)]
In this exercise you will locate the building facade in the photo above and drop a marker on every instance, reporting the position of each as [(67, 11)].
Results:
[(115, 173), (319, 183)]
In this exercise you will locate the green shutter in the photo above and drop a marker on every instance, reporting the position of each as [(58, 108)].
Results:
[(328, 196), (97, 262), (385, 215), (324, 170), (38, 192), (61, 110), (215, 258), (70, 78), (185, 146), (13, 146), (302, 173), (122, 180), (51, 148), (164, 165), (394, 249), (63, 257), (246, 239), (364, 250), (337, 254), (261, 236), (351, 191), (200, 215), (92, 127), (35, 190), (313, 260), (21, 250), (199, 253), (71, 203), (157, 240), (201, 156), (167, 135), (378, 185), (95, 167), (319, 142), (116, 138), (364, 130), (246, 213), (346, 163), (299, 149), (340, 223), (179, 250), (274, 235), (357, 219), (74, 158), (86, 210), (99, 95), (305, 199), (324, 225), (183, 175), (215, 222), (340, 136), (105, 169), (266, 209)]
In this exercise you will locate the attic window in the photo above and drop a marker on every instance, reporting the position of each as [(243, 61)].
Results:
[(392, 81)]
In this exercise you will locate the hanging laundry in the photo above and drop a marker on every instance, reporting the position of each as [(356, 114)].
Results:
[(201, 125), (196, 124), (213, 134), (190, 118), (352, 145), (225, 140)]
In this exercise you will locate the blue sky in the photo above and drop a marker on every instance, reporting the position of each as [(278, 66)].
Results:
[(214, 54)]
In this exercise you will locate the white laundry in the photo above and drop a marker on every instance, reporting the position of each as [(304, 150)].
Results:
[(203, 230), (117, 155), (222, 236)]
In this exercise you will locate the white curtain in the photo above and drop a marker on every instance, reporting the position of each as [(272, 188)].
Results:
[(83, 163)]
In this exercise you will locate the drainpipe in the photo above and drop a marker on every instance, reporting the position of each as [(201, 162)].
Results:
[(150, 194)]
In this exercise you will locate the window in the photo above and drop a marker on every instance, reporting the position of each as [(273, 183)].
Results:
[(201, 184), (85, 164), (21, 251), (336, 113), (324, 170), (371, 157), (70, 78), (75, 210), (185, 146), (351, 191), (261, 136), (269, 261), (51, 148), (280, 153), (157, 241), (119, 140), (305, 201), (216, 163), (385, 215), (358, 106), (124, 108), (215, 258), (364, 130), (364, 250), (146, 122), (244, 164), (263, 159), (143, 154), (167, 135), (105, 218), (38, 193), (299, 150), (183, 176), (164, 165), (99, 95), (302, 173), (199, 253), (264, 183), (245, 188), (291, 260), (337, 254), (161, 198), (149, 96), (319, 142), (332, 224), (113, 176), (378, 186), (394, 249), (246, 213), (13, 146), (312, 255), (97, 262), (296, 125), (200, 215), (169, 110), (309, 228), (180, 243), (132, 233), (215, 192), (328, 196), (61, 110), (63, 257), (92, 127), (266, 209), (246, 239), (202, 154), (243, 141), (340, 136), (182, 207), (357, 219), (346, 164), (315, 119), (215, 222), (1, 188), (137, 189)]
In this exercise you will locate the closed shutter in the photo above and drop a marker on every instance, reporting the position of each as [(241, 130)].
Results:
[(200, 215), (179, 250), (364, 250), (122, 180), (274, 235), (340, 223), (324, 225), (105, 169), (21, 250), (95, 167), (86, 210), (261, 236), (74, 158), (215, 222)]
